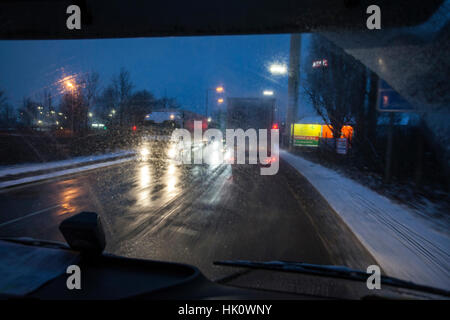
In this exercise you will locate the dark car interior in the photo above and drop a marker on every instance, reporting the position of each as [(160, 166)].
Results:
[(111, 277)]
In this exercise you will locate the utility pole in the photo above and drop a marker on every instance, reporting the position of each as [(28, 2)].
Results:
[(390, 137), (293, 84), (73, 115), (206, 104)]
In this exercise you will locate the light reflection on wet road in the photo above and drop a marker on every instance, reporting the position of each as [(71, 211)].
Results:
[(157, 209)]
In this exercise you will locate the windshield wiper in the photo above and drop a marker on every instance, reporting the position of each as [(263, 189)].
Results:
[(328, 271), (37, 242)]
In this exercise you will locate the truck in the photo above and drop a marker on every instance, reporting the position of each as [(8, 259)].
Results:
[(159, 124), (251, 113), (246, 113)]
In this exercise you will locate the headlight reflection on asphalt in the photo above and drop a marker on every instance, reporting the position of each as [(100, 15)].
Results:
[(171, 177), (213, 153), (143, 195), (171, 152), (227, 155), (144, 176), (68, 197), (144, 153)]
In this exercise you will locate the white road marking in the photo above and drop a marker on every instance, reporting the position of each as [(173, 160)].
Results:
[(28, 215), (184, 230), (46, 176), (11, 170)]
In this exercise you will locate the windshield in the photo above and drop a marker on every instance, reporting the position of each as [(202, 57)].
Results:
[(325, 148)]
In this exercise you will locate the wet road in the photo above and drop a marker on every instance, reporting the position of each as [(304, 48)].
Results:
[(153, 208)]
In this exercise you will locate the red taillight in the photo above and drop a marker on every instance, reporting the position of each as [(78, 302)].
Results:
[(275, 126), (134, 128)]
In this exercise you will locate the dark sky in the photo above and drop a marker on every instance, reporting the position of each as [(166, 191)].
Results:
[(180, 67)]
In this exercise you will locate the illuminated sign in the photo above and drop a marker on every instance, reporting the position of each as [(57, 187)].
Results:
[(390, 100), (320, 63), (307, 134)]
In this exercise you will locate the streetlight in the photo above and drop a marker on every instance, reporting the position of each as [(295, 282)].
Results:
[(220, 100), (90, 114), (219, 90), (70, 85), (268, 92), (278, 69)]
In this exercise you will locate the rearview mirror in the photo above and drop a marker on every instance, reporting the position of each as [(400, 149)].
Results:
[(84, 232)]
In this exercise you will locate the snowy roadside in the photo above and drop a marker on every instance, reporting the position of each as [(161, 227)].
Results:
[(32, 167), (405, 244), (26, 173)]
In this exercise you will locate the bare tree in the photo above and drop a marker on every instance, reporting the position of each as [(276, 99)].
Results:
[(142, 103), (28, 113), (115, 99), (73, 106), (90, 87), (108, 101), (119, 104), (2, 98), (167, 103), (336, 89), (6, 111), (124, 87), (3, 106)]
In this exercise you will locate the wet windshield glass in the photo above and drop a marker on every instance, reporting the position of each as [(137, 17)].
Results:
[(324, 148)]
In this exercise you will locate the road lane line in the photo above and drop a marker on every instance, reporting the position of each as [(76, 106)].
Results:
[(28, 215), (53, 165), (47, 176)]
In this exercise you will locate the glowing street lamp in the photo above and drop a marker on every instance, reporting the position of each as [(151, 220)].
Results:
[(268, 92), (220, 100), (90, 114), (219, 90), (278, 69), (69, 84)]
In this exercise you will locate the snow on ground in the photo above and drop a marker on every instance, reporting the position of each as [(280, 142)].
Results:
[(59, 173), (405, 244), (32, 167)]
